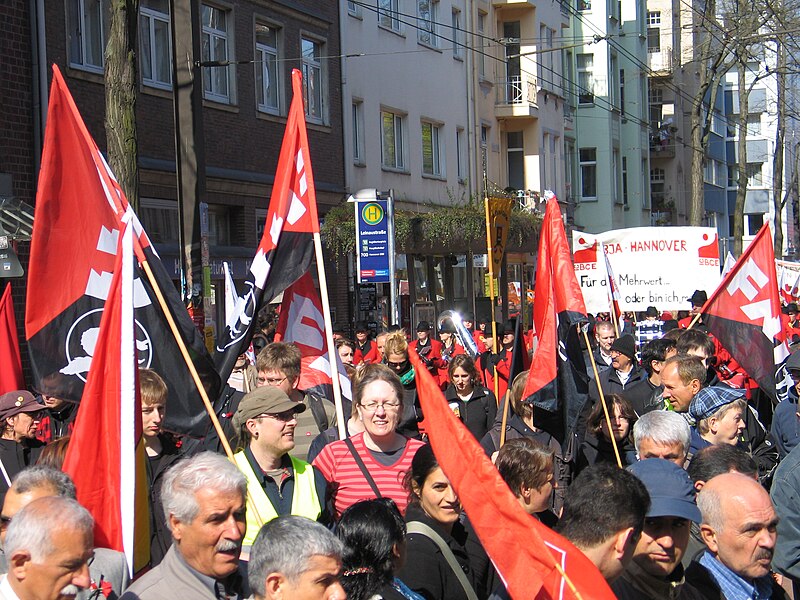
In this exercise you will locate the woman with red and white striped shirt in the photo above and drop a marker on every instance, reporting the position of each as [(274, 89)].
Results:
[(371, 464)]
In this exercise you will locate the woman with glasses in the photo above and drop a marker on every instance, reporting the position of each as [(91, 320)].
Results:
[(20, 415), (474, 404), (597, 447), (370, 464)]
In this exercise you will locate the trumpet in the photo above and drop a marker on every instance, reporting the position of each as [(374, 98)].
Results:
[(463, 334)]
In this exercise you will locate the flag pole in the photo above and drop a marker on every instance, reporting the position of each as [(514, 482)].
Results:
[(603, 400), (326, 313), (490, 264)]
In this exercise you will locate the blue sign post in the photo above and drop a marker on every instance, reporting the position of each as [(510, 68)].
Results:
[(373, 241)]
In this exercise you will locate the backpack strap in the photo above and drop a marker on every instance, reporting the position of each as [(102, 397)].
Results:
[(318, 411), (423, 529), (363, 467)]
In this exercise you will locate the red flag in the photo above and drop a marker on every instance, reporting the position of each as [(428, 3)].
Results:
[(524, 551), (613, 290), (744, 313), (10, 360), (301, 322), (106, 457), (286, 247), (557, 378), (80, 209)]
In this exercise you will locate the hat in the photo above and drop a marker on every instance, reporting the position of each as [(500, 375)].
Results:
[(666, 316), (709, 400), (266, 399), (793, 362), (625, 345), (423, 326), (447, 327), (790, 308), (499, 327), (361, 326), (508, 327), (670, 487), (468, 316), (651, 311), (16, 402), (699, 298)]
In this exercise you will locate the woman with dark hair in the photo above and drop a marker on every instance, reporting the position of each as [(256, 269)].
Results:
[(597, 446), (374, 536), (370, 464), (474, 404), (445, 560)]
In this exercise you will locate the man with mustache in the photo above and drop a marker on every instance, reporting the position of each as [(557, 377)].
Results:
[(739, 529), (204, 502), (48, 546)]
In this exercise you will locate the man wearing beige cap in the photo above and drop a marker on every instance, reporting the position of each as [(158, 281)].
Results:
[(277, 484), (20, 414)]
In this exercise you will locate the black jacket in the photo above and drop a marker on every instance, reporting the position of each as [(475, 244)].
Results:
[(478, 414), (15, 457), (597, 449), (644, 396), (160, 535)]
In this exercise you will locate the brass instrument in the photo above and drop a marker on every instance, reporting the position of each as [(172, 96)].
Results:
[(464, 335)]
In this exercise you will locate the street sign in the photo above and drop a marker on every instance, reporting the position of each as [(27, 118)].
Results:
[(9, 263), (372, 241)]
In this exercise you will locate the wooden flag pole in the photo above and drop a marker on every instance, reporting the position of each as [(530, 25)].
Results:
[(490, 264), (326, 313), (603, 400)]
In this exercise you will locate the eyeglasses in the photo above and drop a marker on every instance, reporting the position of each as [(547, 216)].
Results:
[(396, 365), (273, 381), (371, 407), (284, 416)]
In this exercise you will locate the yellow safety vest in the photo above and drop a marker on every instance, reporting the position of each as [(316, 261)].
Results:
[(305, 502)]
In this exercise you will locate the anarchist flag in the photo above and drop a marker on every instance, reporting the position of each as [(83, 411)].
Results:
[(10, 359), (557, 380), (744, 313), (109, 468), (532, 560), (302, 323), (79, 212), (520, 359), (286, 247)]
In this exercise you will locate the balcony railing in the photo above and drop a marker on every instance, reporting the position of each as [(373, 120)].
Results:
[(516, 90)]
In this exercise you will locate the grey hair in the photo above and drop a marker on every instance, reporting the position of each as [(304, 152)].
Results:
[(182, 481), (285, 545), (40, 476), (32, 528), (662, 427), (710, 504)]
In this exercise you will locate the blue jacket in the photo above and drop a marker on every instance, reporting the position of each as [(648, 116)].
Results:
[(786, 424)]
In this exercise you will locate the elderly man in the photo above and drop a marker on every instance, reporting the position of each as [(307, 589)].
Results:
[(656, 572), (279, 484), (294, 557), (682, 377), (739, 529), (662, 434), (108, 569), (204, 503), (624, 371), (48, 546)]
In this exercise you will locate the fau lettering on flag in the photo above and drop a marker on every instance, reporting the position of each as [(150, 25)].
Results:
[(287, 245), (79, 212), (301, 322), (106, 455), (557, 380), (10, 359), (532, 560), (744, 313)]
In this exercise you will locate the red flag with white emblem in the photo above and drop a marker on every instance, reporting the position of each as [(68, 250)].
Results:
[(287, 245), (744, 313)]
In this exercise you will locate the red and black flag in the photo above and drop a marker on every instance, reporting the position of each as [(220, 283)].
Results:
[(80, 209), (286, 247), (10, 358), (557, 381), (744, 313)]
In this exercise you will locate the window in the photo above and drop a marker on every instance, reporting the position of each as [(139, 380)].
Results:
[(481, 56), (484, 147), (359, 156), (267, 70), (755, 223), (653, 40), (216, 85), (457, 34), (160, 219), (754, 124), (427, 13), (584, 5), (622, 91), (392, 140), (219, 225), (625, 180), (585, 78), (588, 166), (515, 152), (615, 175), (431, 149), (313, 80), (461, 165), (754, 176), (88, 26), (708, 171), (353, 9), (658, 179), (733, 175), (156, 51), (388, 14)]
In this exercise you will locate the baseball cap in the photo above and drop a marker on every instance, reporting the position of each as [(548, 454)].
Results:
[(709, 400), (18, 401), (266, 399), (670, 487)]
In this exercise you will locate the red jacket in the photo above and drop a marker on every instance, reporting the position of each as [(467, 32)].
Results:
[(444, 376), (368, 353), (503, 371), (433, 356)]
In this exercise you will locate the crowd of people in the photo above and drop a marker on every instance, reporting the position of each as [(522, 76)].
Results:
[(676, 483)]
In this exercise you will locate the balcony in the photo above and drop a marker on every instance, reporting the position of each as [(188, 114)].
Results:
[(516, 97), (660, 62), (512, 4), (660, 148)]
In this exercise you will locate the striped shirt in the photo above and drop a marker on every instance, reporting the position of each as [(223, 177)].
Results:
[(348, 484)]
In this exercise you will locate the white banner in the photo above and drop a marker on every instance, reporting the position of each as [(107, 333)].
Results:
[(653, 266)]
